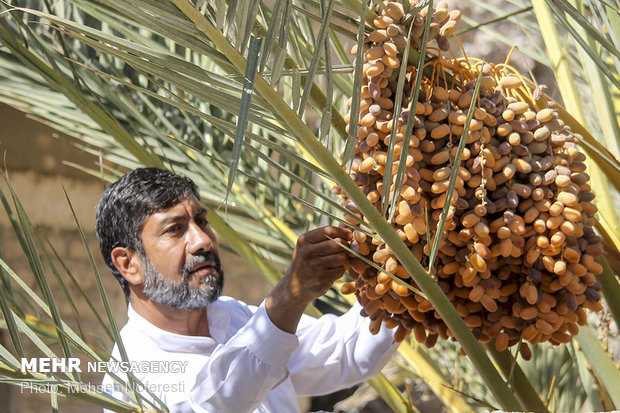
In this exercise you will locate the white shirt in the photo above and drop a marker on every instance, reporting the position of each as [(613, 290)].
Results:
[(250, 365)]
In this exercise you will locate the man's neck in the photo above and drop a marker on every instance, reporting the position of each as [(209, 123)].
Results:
[(188, 323)]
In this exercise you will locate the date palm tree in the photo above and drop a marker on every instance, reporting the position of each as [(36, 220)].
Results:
[(248, 98)]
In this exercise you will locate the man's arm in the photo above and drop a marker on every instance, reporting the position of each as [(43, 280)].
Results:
[(333, 352), (317, 262), (242, 372), (338, 352)]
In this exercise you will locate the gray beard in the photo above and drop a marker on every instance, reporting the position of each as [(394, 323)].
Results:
[(180, 294)]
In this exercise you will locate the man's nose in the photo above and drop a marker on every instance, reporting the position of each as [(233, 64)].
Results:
[(198, 240)]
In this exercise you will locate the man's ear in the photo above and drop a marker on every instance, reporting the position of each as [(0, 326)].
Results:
[(128, 264)]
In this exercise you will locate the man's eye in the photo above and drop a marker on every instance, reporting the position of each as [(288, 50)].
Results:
[(174, 228), (203, 222)]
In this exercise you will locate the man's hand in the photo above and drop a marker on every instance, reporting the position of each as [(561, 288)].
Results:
[(317, 262)]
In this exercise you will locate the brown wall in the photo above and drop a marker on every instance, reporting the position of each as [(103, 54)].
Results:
[(33, 157)]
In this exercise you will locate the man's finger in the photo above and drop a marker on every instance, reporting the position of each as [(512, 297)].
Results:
[(326, 247), (326, 233), (331, 261), (333, 273)]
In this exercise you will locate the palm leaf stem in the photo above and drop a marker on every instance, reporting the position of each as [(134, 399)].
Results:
[(584, 47), (390, 394), (419, 359), (497, 19), (39, 273), (517, 379), (316, 98), (610, 288), (606, 119), (572, 100), (594, 402), (605, 369), (77, 285)]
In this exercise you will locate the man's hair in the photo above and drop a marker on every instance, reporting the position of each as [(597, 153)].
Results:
[(127, 203)]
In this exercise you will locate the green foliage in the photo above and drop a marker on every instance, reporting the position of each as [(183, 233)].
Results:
[(149, 82)]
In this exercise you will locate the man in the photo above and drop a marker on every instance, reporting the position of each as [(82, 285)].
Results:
[(155, 238)]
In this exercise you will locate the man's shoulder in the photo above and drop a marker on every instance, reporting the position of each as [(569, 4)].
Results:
[(225, 313), (236, 308)]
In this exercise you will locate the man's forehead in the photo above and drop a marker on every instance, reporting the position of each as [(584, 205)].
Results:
[(185, 208)]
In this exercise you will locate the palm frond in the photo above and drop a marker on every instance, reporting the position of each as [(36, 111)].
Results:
[(161, 83)]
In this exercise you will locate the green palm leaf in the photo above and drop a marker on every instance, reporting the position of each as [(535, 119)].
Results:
[(161, 83)]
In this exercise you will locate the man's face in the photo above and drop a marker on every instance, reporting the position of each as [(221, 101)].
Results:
[(181, 265)]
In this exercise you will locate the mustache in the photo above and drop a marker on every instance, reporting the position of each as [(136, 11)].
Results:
[(191, 262)]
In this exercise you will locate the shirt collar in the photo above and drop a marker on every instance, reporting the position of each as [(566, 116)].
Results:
[(218, 319)]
